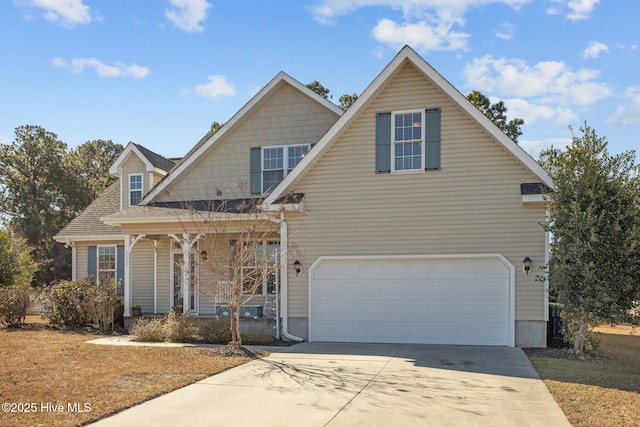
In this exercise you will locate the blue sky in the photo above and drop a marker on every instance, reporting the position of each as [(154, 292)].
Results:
[(159, 72)]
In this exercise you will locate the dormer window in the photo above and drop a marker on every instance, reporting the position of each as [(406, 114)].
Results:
[(135, 189)]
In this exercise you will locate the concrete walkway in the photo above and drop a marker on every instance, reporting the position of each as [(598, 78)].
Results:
[(336, 384)]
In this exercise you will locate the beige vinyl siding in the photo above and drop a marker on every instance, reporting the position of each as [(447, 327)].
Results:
[(156, 178), (164, 278), (82, 254), (472, 205), (142, 275), (133, 165), (287, 117)]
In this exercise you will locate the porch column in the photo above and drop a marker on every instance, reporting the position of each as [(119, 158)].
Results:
[(154, 243), (127, 275), (186, 273), (74, 261)]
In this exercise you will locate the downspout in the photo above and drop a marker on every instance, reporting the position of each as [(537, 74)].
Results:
[(284, 243)]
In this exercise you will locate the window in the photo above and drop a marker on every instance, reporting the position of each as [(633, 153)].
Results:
[(261, 266), (135, 189), (408, 140), (106, 264), (407, 147), (277, 162), (272, 168)]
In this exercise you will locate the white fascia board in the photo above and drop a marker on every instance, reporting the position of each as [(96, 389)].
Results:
[(160, 171), (181, 218), (474, 112), (130, 148), (311, 94), (280, 77), (338, 125), (86, 238), (144, 219), (408, 53)]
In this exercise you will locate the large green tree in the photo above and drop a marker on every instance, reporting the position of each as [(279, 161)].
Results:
[(44, 186), (595, 224), (498, 114), (87, 168), (33, 178)]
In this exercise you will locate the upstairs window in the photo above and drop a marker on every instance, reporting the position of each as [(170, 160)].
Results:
[(277, 162), (408, 144), (135, 189), (407, 141)]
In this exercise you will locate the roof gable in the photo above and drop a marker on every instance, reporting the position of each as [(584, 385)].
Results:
[(380, 82), (153, 162), (212, 139)]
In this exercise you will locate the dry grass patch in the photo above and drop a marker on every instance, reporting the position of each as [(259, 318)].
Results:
[(44, 365), (603, 390)]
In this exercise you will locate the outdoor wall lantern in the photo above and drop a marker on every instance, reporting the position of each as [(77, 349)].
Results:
[(298, 266), (204, 256), (526, 264)]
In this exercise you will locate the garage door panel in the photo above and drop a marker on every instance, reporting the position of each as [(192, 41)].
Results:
[(457, 301)]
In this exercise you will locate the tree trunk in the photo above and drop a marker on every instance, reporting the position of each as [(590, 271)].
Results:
[(232, 325), (238, 332), (578, 342)]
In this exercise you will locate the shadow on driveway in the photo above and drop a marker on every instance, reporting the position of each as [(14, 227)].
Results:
[(343, 384)]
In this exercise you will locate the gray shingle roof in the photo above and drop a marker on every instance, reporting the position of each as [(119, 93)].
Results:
[(156, 159), (88, 223)]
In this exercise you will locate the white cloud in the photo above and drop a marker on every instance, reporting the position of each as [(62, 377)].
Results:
[(595, 49), (427, 24), (629, 113), (328, 10), (420, 35), (4, 140), (505, 31), (65, 12), (188, 15), (550, 82), (77, 65), (581, 9), (553, 11), (578, 9), (534, 112), (218, 86)]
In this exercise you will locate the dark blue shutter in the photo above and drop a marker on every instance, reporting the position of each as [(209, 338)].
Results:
[(92, 262), (383, 142), (120, 268), (432, 139), (255, 171)]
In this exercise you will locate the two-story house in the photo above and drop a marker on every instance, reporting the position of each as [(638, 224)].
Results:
[(412, 219)]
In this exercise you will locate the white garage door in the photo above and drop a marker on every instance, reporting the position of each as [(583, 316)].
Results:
[(429, 300)]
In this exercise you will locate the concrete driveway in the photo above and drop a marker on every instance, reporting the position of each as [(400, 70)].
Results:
[(337, 384)]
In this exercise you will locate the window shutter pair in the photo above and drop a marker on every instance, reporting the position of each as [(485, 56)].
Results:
[(432, 141), (92, 265)]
